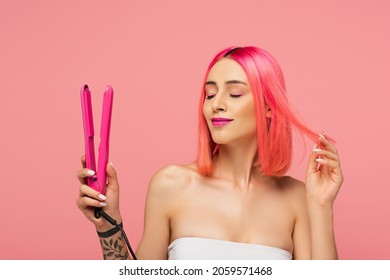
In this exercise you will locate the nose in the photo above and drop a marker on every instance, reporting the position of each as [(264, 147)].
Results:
[(218, 103)]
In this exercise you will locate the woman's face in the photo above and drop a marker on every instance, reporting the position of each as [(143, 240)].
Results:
[(229, 106)]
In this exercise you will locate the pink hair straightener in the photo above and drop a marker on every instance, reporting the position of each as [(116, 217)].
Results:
[(98, 181)]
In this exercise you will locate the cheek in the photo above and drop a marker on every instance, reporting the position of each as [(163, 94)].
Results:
[(248, 118), (249, 112), (205, 111), (207, 114), (250, 121)]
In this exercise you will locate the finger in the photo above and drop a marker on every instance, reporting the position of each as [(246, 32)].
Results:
[(325, 153), (327, 144), (86, 201), (312, 165), (333, 164), (83, 161), (82, 175), (88, 191), (111, 175)]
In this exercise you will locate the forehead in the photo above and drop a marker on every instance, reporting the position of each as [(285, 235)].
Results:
[(227, 70)]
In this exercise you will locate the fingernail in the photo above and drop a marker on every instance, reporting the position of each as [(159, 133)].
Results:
[(103, 204), (315, 147), (322, 136), (319, 160), (317, 150), (91, 172), (111, 164), (102, 197), (82, 156)]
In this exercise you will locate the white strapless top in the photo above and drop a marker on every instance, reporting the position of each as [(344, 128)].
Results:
[(195, 248)]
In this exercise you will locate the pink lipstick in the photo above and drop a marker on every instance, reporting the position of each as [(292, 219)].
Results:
[(220, 121)]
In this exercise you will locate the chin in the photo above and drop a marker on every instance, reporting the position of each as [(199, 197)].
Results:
[(221, 137), (224, 138)]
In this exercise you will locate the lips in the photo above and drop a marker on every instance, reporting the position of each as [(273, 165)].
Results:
[(220, 121)]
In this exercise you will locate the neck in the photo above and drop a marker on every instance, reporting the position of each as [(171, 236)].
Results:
[(236, 163)]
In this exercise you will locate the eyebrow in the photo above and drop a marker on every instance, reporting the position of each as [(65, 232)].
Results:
[(227, 82)]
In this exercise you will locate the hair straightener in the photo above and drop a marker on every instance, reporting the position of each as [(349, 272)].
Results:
[(99, 181)]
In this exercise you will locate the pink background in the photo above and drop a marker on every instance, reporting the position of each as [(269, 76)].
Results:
[(335, 56)]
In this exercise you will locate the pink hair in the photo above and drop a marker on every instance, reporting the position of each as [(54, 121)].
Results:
[(274, 135)]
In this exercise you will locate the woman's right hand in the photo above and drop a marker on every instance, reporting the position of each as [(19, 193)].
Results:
[(89, 198)]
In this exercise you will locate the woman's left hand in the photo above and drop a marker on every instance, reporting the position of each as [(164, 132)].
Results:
[(324, 175)]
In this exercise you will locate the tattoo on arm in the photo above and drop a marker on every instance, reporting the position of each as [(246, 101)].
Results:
[(114, 247)]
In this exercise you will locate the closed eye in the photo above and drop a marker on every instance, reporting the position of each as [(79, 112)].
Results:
[(210, 96), (231, 95)]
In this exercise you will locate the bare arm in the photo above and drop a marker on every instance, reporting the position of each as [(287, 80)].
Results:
[(159, 203), (301, 234), (111, 240), (323, 181), (323, 244), (113, 245)]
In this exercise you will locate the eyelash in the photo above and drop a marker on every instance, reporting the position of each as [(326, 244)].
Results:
[(231, 95)]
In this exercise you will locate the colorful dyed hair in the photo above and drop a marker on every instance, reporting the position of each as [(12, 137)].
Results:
[(274, 135)]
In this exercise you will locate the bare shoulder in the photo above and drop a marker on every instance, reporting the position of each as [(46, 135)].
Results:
[(294, 189), (291, 184), (172, 177)]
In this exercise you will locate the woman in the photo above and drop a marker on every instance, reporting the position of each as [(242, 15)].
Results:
[(235, 201)]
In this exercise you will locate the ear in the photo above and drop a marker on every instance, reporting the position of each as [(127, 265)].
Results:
[(268, 113)]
